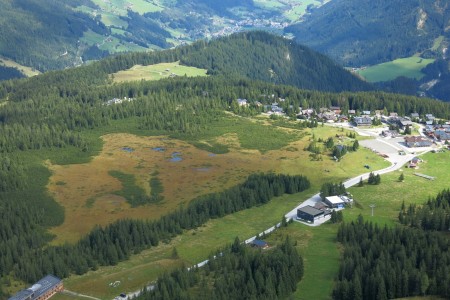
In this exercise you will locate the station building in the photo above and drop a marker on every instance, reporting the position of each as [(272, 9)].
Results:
[(42, 290)]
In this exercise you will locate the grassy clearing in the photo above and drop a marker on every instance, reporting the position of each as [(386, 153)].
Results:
[(156, 72), (270, 4), (389, 195), (120, 7), (437, 43), (111, 11), (109, 43), (299, 9), (60, 296), (409, 67), (27, 71), (321, 260), (242, 133)]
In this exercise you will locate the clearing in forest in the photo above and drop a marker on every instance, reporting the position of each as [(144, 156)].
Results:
[(409, 67), (156, 72), (27, 71)]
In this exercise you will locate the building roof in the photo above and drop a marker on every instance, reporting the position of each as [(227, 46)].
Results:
[(335, 199), (259, 243), (417, 141), (310, 210), (38, 289), (363, 120)]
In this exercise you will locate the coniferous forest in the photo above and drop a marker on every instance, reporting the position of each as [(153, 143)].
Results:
[(387, 263), (237, 272), (107, 246)]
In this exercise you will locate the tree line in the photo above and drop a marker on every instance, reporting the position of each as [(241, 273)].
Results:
[(387, 263), (237, 272), (433, 215), (117, 241)]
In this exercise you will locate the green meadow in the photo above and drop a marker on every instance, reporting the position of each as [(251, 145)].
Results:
[(109, 43), (409, 67), (27, 71), (156, 72), (389, 195)]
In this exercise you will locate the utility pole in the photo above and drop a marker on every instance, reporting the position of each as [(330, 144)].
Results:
[(372, 207)]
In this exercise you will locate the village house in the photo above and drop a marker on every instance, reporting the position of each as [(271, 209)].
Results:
[(242, 102), (442, 135), (336, 109), (259, 244), (308, 112), (379, 113), (362, 121), (417, 141), (343, 118), (118, 100), (414, 162), (328, 117), (390, 133), (402, 123), (351, 111)]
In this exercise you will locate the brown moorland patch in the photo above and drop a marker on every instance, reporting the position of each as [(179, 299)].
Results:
[(88, 195)]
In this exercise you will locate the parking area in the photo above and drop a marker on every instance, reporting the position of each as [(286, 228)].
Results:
[(380, 146)]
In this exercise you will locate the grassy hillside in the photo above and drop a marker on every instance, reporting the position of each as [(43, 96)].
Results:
[(43, 34), (26, 71), (408, 67), (156, 72)]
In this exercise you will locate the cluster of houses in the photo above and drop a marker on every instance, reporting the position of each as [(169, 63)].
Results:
[(118, 100), (360, 119), (322, 209), (438, 132)]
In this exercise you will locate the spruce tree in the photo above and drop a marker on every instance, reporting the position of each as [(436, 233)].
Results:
[(361, 182)]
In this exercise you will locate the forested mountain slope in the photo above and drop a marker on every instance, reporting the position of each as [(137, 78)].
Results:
[(252, 55), (44, 34), (366, 32), (50, 34), (262, 56)]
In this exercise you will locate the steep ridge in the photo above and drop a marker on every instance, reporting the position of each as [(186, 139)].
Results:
[(262, 56), (367, 32)]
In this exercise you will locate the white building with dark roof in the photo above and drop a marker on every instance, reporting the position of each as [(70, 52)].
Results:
[(309, 213), (41, 290), (334, 202)]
